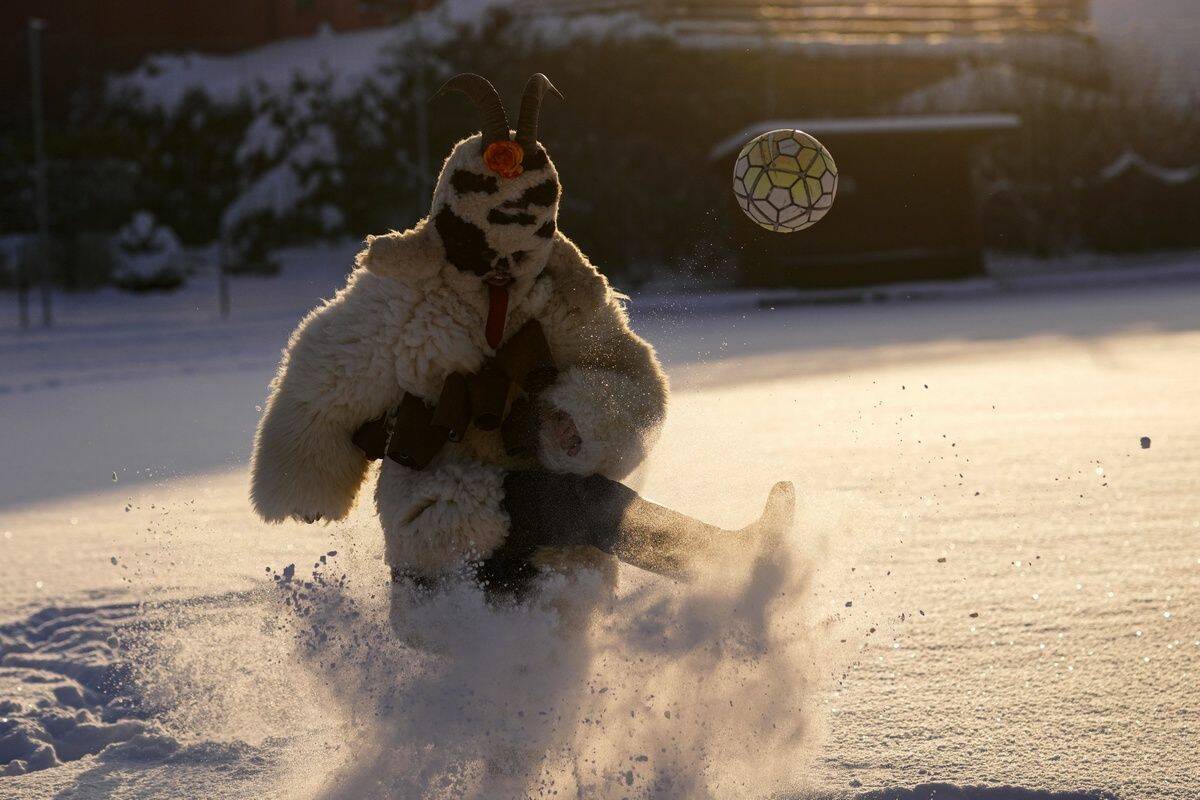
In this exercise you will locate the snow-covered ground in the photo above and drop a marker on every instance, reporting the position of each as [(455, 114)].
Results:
[(993, 582)]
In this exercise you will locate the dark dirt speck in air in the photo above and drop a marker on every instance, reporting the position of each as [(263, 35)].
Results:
[(1145, 442)]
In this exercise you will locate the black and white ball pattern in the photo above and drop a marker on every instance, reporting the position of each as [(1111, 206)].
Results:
[(785, 180)]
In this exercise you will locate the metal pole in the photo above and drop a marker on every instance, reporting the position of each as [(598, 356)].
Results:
[(22, 287), (36, 26), (222, 277)]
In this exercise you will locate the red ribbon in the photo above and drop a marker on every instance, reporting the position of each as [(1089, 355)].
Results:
[(497, 312)]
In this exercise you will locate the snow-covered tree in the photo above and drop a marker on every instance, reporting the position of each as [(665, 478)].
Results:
[(289, 158), (148, 256)]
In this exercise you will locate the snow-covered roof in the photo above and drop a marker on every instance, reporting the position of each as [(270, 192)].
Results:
[(846, 22), (994, 87), (1130, 160), (926, 123)]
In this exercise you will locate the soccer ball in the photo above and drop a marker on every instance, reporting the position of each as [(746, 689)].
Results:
[(785, 180)]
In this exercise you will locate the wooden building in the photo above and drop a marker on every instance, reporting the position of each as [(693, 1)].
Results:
[(905, 208)]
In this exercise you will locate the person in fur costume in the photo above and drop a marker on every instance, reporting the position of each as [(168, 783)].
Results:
[(491, 461)]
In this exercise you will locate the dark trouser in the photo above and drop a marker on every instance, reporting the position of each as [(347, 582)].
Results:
[(549, 509), (555, 510), (546, 509)]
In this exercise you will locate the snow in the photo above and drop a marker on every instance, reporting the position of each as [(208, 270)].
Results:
[(146, 251), (992, 87), (992, 584), (345, 58), (1130, 160), (143, 235), (263, 137), (303, 155), (164, 80), (925, 123)]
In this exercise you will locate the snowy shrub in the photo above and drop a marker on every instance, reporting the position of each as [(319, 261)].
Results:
[(289, 162), (149, 256)]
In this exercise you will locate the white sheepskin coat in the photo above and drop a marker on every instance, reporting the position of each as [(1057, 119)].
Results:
[(405, 320)]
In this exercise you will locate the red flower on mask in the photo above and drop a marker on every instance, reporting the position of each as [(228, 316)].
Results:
[(504, 158)]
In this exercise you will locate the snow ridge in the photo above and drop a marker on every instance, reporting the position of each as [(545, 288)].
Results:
[(68, 687)]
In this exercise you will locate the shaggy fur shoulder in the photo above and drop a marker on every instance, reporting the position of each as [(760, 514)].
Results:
[(334, 375), (409, 256)]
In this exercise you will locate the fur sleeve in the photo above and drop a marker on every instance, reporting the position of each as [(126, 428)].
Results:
[(610, 383), (333, 376)]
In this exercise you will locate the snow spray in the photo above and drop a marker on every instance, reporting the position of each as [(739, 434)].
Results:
[(636, 687)]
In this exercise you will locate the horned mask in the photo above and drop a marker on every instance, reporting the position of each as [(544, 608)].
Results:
[(495, 205)]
